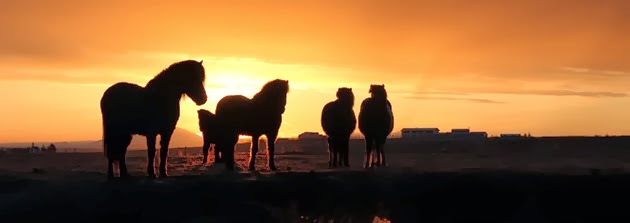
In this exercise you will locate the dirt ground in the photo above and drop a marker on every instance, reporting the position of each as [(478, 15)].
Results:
[(565, 182)]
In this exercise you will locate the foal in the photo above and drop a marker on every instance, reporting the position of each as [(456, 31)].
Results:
[(213, 133)]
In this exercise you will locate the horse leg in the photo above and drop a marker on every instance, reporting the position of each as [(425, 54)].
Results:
[(335, 156), (368, 151), (378, 148), (206, 147), (376, 156), (219, 154), (271, 151), (381, 150), (344, 151), (122, 165), (252, 152), (151, 156), (165, 138), (331, 151), (227, 156), (110, 168)]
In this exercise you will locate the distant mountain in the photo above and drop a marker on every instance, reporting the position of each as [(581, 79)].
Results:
[(180, 138)]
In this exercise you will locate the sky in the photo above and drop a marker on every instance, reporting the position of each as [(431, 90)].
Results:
[(557, 67)]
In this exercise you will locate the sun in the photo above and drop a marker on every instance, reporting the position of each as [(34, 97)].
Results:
[(226, 83)]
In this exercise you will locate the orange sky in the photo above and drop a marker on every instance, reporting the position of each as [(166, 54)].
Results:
[(544, 67)]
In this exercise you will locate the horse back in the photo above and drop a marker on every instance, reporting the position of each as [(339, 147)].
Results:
[(124, 107), (241, 114), (376, 117), (337, 120)]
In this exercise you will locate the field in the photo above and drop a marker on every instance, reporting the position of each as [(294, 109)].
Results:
[(533, 180)]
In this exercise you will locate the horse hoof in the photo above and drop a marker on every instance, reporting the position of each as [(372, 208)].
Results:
[(273, 168)]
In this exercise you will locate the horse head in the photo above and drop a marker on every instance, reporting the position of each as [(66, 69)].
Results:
[(206, 118), (204, 115), (274, 94), (378, 91), (186, 78), (345, 96)]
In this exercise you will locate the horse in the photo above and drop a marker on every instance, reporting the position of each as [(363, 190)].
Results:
[(207, 126), (338, 121), (261, 115), (210, 128), (129, 109), (376, 122)]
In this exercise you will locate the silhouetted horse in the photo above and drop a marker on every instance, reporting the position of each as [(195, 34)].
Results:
[(213, 134), (338, 121), (376, 122), (261, 115), (129, 109)]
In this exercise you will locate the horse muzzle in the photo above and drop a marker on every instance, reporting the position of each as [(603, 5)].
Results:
[(201, 101)]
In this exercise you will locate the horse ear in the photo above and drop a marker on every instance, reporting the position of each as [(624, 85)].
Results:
[(201, 62)]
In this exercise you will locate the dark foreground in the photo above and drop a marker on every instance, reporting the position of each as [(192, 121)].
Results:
[(304, 197)]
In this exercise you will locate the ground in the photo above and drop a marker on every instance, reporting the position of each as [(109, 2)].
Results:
[(429, 183)]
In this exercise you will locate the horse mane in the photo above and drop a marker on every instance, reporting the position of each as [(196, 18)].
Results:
[(275, 87), (378, 91), (345, 94), (273, 95), (170, 73)]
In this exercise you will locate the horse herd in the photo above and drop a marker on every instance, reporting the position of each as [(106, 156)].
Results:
[(128, 109)]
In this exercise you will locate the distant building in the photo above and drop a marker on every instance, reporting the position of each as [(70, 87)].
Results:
[(418, 132), (460, 131), (511, 135), (480, 134), (434, 134), (312, 141), (311, 136)]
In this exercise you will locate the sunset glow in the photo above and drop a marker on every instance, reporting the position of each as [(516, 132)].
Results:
[(543, 67)]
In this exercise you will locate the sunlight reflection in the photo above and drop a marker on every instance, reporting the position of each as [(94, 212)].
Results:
[(378, 219)]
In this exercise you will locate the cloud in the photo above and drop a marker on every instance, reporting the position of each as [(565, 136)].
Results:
[(476, 100), (594, 94), (587, 71), (590, 94), (395, 37)]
